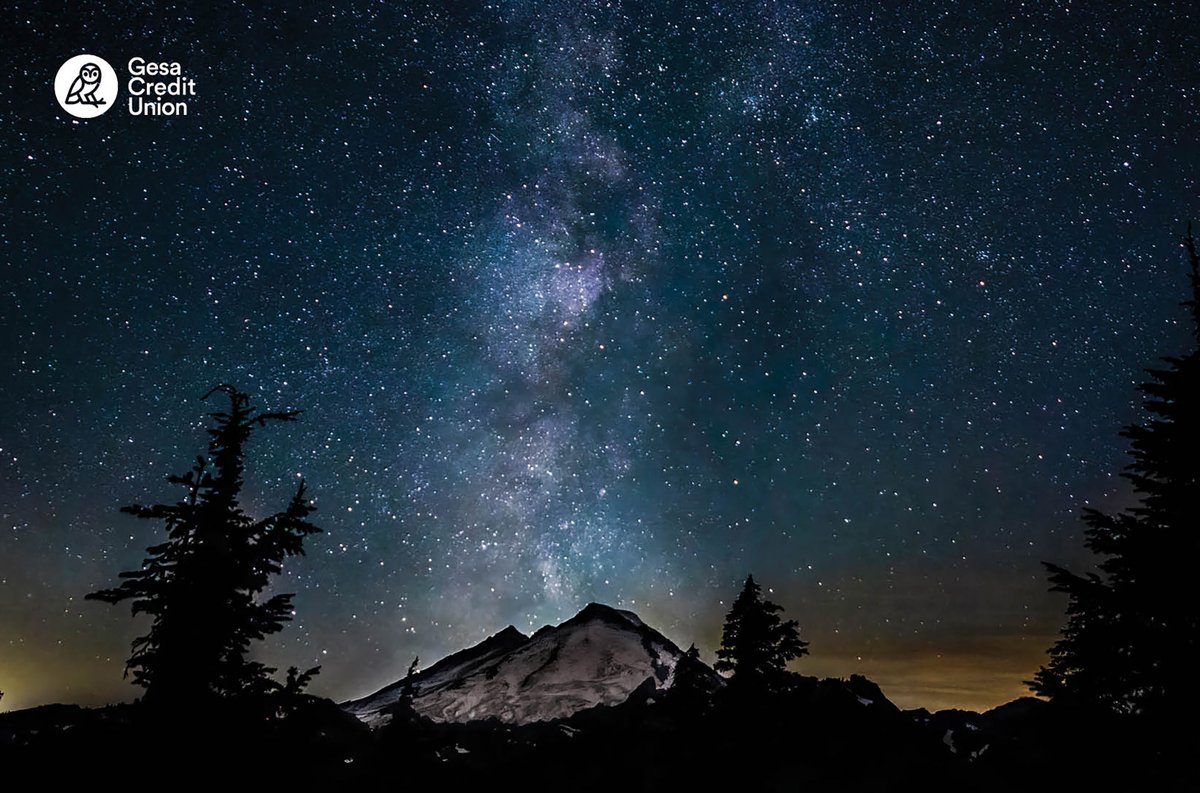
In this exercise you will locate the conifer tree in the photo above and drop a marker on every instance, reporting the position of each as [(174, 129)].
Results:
[(755, 643), (202, 585), (402, 710), (1131, 643)]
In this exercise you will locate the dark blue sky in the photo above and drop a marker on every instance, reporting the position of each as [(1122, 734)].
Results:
[(595, 302)]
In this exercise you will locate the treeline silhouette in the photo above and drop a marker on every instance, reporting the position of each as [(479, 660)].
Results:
[(1121, 684)]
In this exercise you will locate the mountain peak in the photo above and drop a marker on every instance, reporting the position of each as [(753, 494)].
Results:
[(600, 611), (508, 633)]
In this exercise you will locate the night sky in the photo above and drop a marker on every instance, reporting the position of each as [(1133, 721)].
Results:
[(586, 301)]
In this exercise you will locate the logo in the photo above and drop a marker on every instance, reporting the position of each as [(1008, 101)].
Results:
[(86, 86)]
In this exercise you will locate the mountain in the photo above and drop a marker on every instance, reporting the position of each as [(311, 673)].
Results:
[(598, 657)]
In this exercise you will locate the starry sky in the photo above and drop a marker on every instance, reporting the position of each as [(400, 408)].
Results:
[(594, 301)]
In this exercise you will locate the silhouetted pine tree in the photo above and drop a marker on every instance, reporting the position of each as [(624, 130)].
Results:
[(1131, 643), (755, 643), (402, 710), (202, 585), (692, 686)]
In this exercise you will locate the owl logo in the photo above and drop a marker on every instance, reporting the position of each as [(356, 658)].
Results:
[(83, 89), (86, 86)]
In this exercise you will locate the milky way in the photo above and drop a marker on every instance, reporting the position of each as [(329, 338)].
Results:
[(584, 302)]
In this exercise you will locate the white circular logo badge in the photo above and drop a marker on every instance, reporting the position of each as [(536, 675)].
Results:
[(86, 86)]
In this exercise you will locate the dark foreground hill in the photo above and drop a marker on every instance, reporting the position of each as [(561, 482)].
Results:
[(600, 703)]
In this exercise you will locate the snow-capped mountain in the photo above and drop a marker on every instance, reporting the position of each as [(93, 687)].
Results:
[(598, 657)]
